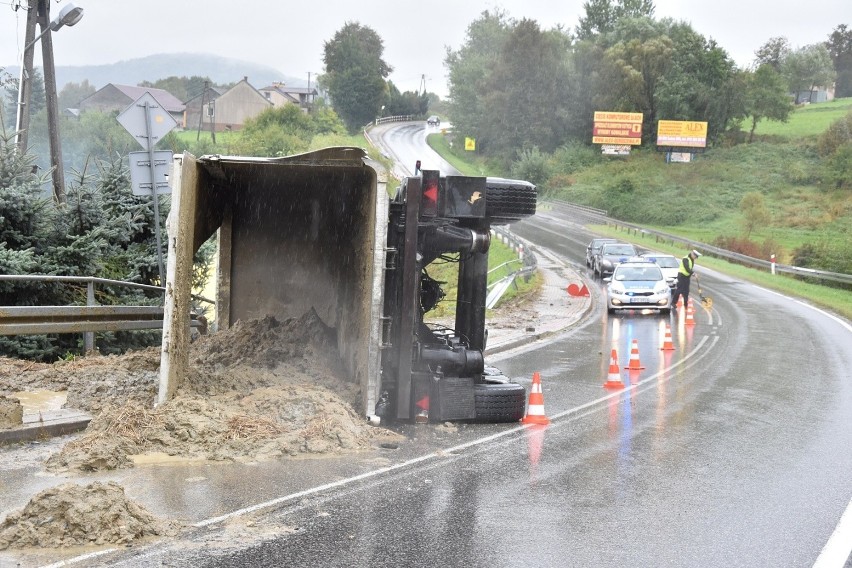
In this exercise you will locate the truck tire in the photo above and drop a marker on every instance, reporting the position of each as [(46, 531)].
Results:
[(499, 402), (508, 200)]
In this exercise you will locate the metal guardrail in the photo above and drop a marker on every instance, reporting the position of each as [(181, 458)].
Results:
[(602, 217), (26, 320), (399, 118), (527, 260)]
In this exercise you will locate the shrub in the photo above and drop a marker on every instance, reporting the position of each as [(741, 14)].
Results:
[(573, 157), (533, 167), (837, 134)]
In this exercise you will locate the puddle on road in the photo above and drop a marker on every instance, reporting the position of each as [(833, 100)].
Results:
[(160, 458), (37, 401)]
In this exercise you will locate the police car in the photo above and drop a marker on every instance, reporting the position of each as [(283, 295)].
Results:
[(638, 283)]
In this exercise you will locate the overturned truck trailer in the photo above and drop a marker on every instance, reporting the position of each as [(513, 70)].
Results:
[(319, 231)]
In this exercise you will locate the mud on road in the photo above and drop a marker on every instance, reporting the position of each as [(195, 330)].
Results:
[(262, 389)]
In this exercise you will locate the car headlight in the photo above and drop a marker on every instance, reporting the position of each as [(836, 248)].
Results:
[(616, 289), (661, 288), (606, 263)]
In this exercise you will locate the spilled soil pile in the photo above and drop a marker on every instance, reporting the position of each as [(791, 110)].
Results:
[(73, 515), (262, 389)]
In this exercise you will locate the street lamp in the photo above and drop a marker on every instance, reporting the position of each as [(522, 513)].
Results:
[(68, 16)]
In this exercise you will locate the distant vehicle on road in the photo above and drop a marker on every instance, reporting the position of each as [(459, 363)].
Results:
[(638, 284), (433, 121), (668, 263), (593, 247), (610, 255)]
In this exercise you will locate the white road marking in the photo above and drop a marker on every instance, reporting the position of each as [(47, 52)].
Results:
[(440, 453)]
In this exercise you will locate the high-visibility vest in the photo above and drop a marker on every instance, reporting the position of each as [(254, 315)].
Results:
[(686, 266)]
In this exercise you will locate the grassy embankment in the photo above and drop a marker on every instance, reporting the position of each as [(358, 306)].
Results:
[(701, 200)]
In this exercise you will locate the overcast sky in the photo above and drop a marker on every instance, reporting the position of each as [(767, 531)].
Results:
[(289, 36)]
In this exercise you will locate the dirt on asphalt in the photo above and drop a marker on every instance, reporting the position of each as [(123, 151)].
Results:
[(262, 389)]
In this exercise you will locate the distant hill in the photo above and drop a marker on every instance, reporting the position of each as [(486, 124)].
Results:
[(221, 70)]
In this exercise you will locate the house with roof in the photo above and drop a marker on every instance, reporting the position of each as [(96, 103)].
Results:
[(280, 94), (236, 105), (114, 97), (200, 111)]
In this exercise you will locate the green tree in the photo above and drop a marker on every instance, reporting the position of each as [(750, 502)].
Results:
[(355, 74), (766, 98), (407, 103), (470, 69), (635, 66), (839, 46), (700, 84), (754, 210), (184, 88), (284, 130), (808, 68), (602, 15), (519, 114), (773, 53), (72, 93), (38, 100)]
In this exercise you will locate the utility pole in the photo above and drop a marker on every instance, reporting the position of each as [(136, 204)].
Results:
[(52, 102), (201, 112), (25, 89), (39, 11)]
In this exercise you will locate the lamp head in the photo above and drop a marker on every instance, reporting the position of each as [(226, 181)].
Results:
[(68, 16)]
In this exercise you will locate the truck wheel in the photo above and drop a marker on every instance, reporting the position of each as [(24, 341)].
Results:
[(509, 200), (499, 402)]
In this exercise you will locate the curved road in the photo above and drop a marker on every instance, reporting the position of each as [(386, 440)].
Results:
[(734, 449)]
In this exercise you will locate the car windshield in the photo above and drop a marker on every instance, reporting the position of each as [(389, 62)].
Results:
[(618, 249), (649, 273)]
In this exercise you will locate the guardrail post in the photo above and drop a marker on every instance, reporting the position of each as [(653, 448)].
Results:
[(89, 336)]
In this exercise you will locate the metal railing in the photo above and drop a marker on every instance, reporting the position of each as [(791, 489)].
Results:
[(399, 118), (27, 320), (526, 258), (602, 217)]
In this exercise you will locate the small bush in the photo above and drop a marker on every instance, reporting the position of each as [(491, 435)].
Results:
[(837, 134), (533, 167), (574, 156), (749, 247)]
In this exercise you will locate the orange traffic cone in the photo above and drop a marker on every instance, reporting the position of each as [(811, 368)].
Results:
[(634, 364), (614, 377), (667, 342), (535, 409), (690, 314)]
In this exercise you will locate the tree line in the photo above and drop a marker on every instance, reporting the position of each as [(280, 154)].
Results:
[(514, 85)]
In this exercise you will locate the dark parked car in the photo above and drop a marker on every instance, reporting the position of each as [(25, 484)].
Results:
[(593, 247), (610, 255)]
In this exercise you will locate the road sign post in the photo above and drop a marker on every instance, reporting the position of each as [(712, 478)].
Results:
[(147, 121)]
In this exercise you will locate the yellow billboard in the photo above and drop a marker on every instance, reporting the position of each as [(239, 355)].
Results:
[(682, 133)]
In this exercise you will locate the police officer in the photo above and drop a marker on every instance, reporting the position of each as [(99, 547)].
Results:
[(684, 274)]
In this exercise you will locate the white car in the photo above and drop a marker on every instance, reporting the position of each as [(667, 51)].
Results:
[(668, 263), (638, 284)]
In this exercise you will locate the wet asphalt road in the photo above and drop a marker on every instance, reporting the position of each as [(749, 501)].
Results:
[(733, 450)]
